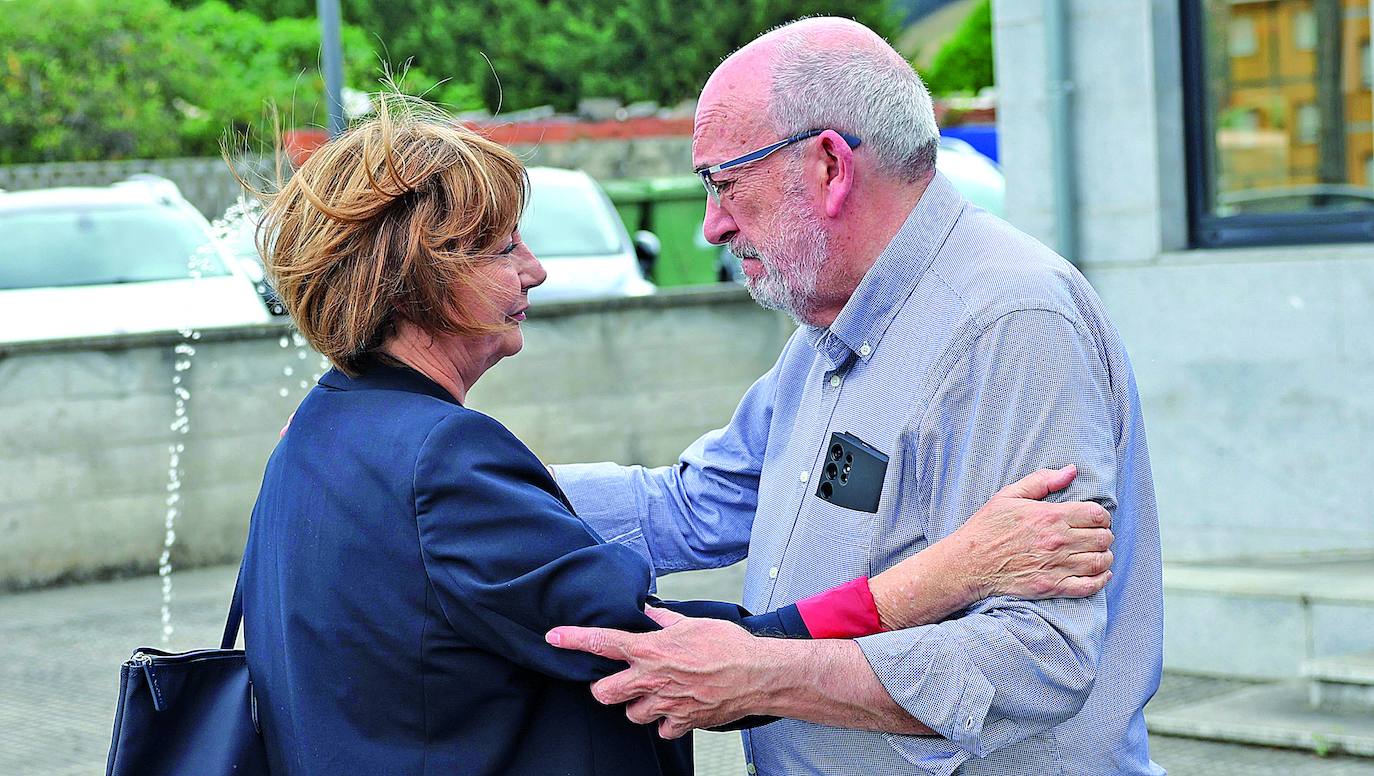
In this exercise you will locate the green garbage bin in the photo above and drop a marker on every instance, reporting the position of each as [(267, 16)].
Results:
[(676, 207), (630, 198)]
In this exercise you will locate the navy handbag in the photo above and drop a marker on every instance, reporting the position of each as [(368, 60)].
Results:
[(188, 714)]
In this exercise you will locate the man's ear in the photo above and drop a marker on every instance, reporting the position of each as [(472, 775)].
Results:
[(837, 163)]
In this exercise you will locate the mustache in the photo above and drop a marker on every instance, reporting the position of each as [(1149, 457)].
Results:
[(744, 250)]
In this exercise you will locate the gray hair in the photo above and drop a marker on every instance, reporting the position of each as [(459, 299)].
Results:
[(865, 90)]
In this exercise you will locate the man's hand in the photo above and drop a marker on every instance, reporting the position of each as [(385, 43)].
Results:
[(694, 673), (1015, 545), (699, 673)]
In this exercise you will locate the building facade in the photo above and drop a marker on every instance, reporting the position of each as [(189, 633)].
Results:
[(1183, 154)]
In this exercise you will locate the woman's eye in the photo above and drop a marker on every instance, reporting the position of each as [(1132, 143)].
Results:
[(510, 249)]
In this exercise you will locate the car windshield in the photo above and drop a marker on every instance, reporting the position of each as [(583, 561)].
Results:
[(569, 220), (97, 245)]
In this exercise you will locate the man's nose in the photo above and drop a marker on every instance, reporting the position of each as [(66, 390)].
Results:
[(719, 226)]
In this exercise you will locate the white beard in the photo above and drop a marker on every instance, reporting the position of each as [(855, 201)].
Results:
[(791, 263)]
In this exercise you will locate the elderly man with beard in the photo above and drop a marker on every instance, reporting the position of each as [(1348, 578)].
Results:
[(932, 333)]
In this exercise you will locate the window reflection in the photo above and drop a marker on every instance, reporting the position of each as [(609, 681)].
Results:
[(1289, 104)]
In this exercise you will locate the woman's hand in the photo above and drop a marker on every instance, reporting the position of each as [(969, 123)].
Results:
[(1015, 545), (1027, 548)]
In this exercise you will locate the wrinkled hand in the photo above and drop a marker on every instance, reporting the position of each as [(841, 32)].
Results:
[(1033, 549), (694, 673)]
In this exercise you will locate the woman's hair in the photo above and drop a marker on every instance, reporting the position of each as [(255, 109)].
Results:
[(389, 222)]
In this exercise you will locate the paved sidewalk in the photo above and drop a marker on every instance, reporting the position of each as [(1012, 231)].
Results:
[(60, 652)]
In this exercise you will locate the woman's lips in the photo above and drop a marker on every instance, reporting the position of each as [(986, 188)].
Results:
[(518, 316)]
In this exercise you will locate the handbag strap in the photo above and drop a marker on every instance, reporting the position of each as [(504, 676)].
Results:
[(231, 625)]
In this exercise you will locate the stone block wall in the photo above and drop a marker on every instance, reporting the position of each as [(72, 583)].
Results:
[(85, 425)]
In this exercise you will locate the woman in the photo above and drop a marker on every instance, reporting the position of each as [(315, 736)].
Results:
[(407, 554)]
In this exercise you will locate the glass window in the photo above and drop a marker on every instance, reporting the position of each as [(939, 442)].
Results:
[(569, 218), (98, 245), (1280, 120), (1305, 30), (1243, 42), (1309, 123)]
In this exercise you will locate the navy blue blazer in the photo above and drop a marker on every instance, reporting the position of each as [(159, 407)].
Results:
[(406, 557)]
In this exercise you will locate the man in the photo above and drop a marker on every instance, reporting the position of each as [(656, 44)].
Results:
[(941, 337)]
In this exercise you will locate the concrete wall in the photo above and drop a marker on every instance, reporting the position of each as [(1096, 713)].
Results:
[(205, 182), (208, 185), (85, 426), (1256, 366), (615, 159)]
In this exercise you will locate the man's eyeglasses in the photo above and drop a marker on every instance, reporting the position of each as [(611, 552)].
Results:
[(713, 189)]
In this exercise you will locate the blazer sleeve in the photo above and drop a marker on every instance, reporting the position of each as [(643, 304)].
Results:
[(508, 559), (784, 623)]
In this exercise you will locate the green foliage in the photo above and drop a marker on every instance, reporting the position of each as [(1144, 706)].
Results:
[(964, 63), (110, 79), (556, 52), (61, 99)]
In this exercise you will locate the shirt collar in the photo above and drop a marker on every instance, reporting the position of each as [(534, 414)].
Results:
[(376, 374), (866, 316)]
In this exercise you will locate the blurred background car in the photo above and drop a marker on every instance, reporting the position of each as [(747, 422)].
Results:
[(976, 176), (78, 262), (241, 240), (571, 225)]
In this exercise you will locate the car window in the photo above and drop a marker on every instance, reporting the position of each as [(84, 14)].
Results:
[(83, 246), (563, 220), (242, 241)]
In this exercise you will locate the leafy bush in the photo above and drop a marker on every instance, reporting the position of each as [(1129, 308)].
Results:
[(964, 63), (555, 52), (110, 79)]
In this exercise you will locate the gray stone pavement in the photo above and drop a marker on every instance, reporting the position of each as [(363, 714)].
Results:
[(60, 652)]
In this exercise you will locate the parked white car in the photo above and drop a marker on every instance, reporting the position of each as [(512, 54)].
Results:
[(574, 230), (79, 262), (977, 177)]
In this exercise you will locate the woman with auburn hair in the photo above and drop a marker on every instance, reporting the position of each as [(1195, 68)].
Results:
[(407, 554)]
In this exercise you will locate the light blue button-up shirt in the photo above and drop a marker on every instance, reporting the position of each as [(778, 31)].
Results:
[(971, 355)]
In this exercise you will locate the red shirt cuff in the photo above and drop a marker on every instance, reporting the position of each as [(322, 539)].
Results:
[(842, 612)]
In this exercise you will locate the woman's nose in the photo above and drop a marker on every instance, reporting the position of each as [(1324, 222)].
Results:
[(532, 273)]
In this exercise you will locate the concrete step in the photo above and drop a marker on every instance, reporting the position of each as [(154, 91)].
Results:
[(1345, 682), (1276, 714), (1263, 619)]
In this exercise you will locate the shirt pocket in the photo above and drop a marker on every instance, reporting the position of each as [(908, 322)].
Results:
[(840, 537)]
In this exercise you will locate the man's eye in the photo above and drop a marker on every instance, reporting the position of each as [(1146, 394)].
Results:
[(724, 186)]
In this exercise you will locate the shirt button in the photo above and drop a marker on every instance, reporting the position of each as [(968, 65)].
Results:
[(804, 476), (773, 573), (751, 769), (864, 349), (968, 723), (834, 381)]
